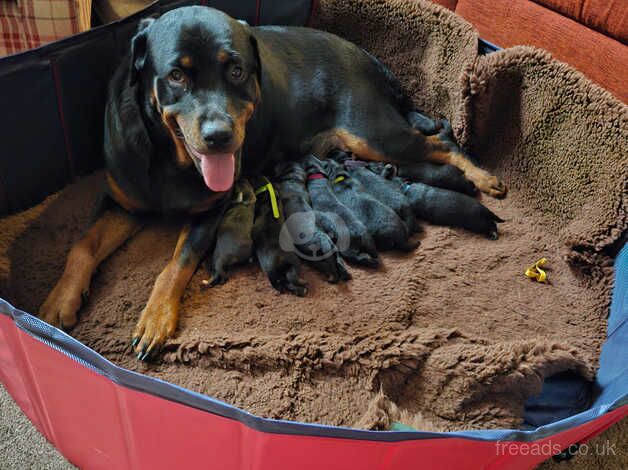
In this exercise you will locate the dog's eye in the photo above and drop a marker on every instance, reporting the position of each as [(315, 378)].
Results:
[(176, 76), (236, 72)]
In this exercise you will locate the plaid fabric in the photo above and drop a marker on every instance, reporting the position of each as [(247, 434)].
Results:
[(25, 24)]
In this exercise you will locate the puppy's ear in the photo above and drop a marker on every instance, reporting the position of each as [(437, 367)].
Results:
[(138, 49), (258, 62), (389, 171)]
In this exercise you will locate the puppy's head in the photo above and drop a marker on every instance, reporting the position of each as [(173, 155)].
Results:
[(290, 171), (202, 71), (313, 165)]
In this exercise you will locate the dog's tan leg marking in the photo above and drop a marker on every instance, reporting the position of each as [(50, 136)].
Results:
[(110, 231), (159, 318), (485, 182)]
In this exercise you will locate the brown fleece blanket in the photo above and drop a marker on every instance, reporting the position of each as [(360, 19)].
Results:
[(452, 336)]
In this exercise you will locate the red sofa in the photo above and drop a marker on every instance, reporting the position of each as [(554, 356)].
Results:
[(590, 35)]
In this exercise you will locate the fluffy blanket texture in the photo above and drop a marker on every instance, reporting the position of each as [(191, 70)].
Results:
[(452, 336)]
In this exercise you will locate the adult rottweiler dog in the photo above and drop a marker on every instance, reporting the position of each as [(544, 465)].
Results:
[(202, 98)]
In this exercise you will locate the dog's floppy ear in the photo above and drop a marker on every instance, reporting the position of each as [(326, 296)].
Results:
[(138, 49), (258, 62)]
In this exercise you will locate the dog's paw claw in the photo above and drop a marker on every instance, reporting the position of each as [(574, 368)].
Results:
[(490, 185), (157, 323), (495, 187)]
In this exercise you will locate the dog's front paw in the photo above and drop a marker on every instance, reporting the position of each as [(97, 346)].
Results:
[(157, 323), (64, 301)]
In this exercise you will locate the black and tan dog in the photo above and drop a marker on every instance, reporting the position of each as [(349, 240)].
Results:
[(202, 98)]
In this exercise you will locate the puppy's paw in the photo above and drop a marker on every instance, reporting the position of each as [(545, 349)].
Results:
[(285, 276), (409, 245), (64, 301), (338, 271), (217, 277), (157, 323), (343, 274), (363, 259)]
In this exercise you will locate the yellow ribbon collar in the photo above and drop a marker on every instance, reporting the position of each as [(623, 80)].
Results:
[(273, 197)]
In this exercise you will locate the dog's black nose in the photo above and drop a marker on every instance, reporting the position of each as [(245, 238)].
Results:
[(217, 134)]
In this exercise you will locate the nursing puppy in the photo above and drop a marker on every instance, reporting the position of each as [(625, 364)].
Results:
[(387, 229), (281, 267), (441, 206), (234, 244), (380, 188), (302, 232), (440, 176), (361, 247)]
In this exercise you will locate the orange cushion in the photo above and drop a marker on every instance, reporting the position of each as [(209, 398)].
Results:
[(607, 16), (451, 4), (512, 22)]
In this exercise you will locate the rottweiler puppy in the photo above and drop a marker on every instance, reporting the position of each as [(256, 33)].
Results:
[(442, 206), (234, 244), (387, 229), (378, 187), (281, 267), (440, 176), (302, 231), (201, 98), (354, 240)]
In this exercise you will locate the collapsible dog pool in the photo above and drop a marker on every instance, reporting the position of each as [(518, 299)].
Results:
[(100, 415)]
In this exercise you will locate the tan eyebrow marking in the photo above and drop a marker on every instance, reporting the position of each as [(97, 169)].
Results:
[(186, 61), (222, 56)]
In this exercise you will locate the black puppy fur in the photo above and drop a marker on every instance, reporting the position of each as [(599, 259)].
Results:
[(423, 123), (441, 176), (234, 244), (442, 206), (381, 189), (302, 224), (432, 174), (387, 229), (361, 249), (281, 267)]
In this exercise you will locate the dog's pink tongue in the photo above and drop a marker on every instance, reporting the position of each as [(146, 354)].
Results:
[(218, 171)]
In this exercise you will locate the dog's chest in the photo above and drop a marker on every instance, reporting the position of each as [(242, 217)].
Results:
[(164, 192)]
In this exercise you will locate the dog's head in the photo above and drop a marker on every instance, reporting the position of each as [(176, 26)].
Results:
[(201, 69)]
